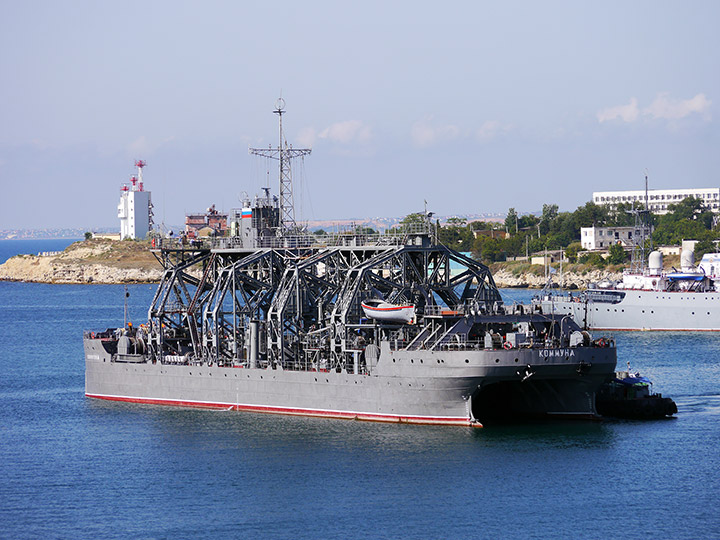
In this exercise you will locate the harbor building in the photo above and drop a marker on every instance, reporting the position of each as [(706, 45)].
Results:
[(209, 223), (658, 199), (135, 208), (593, 238)]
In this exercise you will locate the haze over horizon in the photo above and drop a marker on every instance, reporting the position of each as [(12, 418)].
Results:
[(474, 107)]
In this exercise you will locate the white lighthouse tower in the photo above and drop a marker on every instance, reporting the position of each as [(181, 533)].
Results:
[(135, 208)]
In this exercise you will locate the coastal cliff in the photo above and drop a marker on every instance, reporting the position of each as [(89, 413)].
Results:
[(89, 261), (505, 277), (112, 262)]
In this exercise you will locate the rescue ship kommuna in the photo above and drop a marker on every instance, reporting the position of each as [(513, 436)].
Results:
[(270, 319)]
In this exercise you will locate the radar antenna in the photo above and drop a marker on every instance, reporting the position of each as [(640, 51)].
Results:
[(284, 153)]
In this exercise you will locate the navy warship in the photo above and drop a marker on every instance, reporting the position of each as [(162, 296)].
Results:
[(391, 327)]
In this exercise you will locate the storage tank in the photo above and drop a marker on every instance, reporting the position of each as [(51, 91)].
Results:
[(687, 260), (655, 263)]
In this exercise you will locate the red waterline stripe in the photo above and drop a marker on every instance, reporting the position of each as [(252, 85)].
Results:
[(370, 417), (658, 329)]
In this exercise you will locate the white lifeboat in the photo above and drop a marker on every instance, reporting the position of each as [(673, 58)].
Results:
[(387, 312)]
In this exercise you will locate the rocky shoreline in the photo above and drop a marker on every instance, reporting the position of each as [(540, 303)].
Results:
[(35, 269), (78, 267), (98, 262), (570, 280)]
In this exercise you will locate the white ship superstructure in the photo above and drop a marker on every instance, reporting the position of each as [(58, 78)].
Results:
[(652, 299)]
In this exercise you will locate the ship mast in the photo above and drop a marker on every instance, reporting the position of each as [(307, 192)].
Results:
[(639, 255), (284, 153)]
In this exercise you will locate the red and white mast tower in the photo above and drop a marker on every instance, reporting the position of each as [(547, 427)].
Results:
[(135, 208)]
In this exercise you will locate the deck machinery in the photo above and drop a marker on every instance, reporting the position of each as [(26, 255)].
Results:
[(299, 307)]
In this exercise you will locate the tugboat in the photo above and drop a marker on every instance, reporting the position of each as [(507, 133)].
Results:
[(629, 396)]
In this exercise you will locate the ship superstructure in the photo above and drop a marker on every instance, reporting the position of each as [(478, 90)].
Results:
[(274, 319), (647, 298)]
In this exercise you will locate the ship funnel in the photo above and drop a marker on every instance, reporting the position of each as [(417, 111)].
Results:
[(655, 263), (687, 260)]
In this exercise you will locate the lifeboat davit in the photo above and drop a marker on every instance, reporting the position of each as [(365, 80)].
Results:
[(387, 312)]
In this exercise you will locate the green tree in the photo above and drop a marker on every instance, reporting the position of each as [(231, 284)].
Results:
[(528, 220), (623, 215), (489, 249), (549, 214), (594, 259), (411, 222), (616, 254), (511, 221), (571, 252), (703, 247), (590, 215), (88, 235)]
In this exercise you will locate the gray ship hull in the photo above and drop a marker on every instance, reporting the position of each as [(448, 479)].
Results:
[(641, 310), (448, 387)]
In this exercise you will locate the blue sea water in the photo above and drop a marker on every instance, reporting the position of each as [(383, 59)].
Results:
[(8, 248), (72, 467)]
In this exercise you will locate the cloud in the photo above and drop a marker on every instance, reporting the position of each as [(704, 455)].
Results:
[(346, 132), (349, 131), (423, 133), (490, 129), (626, 113), (306, 138), (663, 108), (666, 108), (142, 146)]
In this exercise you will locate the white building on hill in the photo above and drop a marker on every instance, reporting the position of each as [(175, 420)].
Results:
[(603, 237), (135, 208), (658, 199)]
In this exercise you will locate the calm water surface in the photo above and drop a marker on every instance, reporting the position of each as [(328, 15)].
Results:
[(72, 467)]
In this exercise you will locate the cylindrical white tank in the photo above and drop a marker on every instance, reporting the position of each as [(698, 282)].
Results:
[(655, 263), (687, 260)]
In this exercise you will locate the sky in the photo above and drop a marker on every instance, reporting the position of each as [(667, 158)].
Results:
[(474, 107)]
